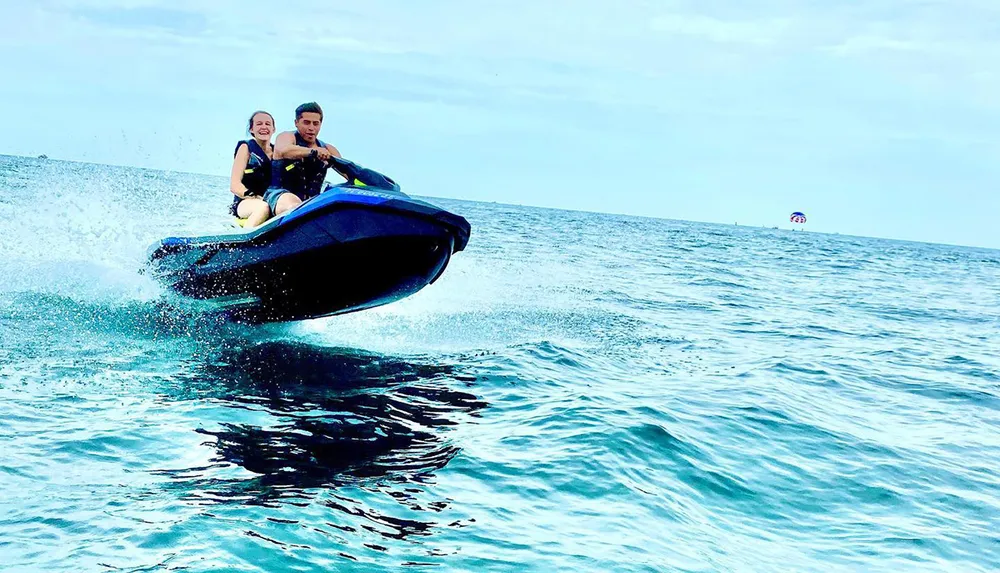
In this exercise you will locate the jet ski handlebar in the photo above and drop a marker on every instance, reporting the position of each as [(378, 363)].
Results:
[(356, 174)]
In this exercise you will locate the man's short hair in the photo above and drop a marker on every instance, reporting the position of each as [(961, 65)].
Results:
[(311, 107)]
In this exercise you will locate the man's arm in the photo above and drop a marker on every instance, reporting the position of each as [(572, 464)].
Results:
[(336, 153), (285, 147)]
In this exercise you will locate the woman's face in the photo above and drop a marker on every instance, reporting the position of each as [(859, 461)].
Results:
[(262, 126)]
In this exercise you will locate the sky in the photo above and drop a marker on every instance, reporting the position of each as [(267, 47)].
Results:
[(876, 118)]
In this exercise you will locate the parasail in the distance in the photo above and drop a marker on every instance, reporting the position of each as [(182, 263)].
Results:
[(798, 217)]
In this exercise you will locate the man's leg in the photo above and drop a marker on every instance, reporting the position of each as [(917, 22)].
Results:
[(286, 202), (280, 201)]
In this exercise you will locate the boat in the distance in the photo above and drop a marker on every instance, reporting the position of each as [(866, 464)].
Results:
[(355, 246)]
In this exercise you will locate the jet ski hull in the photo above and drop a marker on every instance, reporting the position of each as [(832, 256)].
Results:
[(346, 250)]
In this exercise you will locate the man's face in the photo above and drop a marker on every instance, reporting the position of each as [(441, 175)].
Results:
[(308, 126)]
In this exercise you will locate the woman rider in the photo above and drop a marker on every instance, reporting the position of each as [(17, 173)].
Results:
[(251, 172)]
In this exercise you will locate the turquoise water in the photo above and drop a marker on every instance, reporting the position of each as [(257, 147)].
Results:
[(579, 392)]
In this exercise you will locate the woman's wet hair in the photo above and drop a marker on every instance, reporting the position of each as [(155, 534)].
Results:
[(255, 114)]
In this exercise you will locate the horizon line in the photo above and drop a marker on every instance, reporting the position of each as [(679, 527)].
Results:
[(45, 157)]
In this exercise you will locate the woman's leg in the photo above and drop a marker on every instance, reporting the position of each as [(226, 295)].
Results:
[(254, 210)]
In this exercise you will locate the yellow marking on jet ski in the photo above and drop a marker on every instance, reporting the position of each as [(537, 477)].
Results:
[(358, 183), (248, 171)]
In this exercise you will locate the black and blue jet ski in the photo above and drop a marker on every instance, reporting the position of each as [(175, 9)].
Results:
[(355, 246)]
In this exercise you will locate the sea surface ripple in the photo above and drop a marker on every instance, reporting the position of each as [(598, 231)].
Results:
[(579, 392)]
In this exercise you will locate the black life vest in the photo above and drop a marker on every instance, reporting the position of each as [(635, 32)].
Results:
[(303, 177), (257, 174)]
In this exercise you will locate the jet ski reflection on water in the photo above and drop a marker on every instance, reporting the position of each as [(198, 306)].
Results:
[(355, 246)]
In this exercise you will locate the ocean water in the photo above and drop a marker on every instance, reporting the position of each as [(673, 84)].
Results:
[(579, 392)]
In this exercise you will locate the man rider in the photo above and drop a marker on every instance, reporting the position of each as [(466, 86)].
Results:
[(299, 162)]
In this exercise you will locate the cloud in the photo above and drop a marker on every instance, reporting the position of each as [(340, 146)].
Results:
[(178, 21), (756, 32), (760, 97), (861, 45)]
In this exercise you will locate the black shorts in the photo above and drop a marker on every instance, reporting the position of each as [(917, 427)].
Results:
[(272, 195)]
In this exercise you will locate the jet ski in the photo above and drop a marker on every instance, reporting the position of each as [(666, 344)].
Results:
[(355, 246)]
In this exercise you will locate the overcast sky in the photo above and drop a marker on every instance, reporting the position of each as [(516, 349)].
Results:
[(873, 117)]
